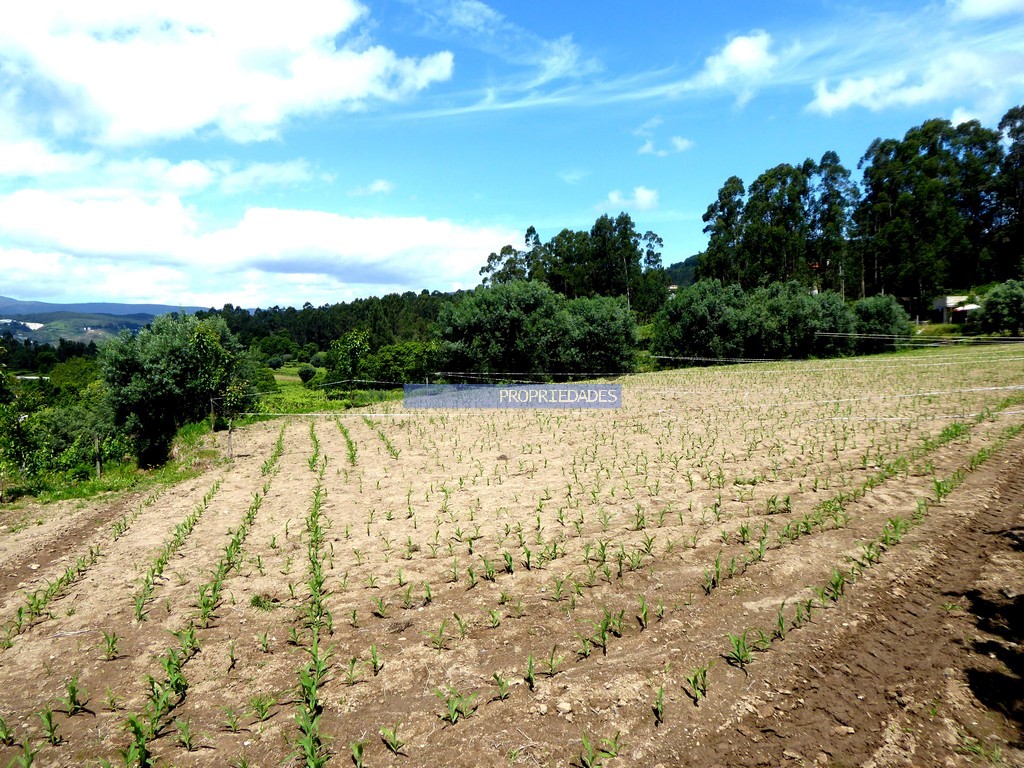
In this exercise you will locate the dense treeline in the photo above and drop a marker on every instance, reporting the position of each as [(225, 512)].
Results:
[(711, 320), (300, 333), (937, 211), (612, 259), (41, 358)]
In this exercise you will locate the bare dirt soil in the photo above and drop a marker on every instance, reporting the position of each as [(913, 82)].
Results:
[(858, 525)]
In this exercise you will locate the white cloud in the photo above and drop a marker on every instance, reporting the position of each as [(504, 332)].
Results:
[(130, 71), (130, 226), (643, 199), (377, 187), (573, 176), (678, 144), (59, 277), (745, 62), (944, 76), (158, 174), (153, 250), (475, 23), (647, 148), (33, 158), (648, 127), (961, 115), (261, 175), (983, 9)]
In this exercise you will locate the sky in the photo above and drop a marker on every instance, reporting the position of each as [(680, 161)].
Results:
[(199, 153)]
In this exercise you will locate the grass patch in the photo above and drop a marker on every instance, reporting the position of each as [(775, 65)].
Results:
[(295, 398), (190, 456)]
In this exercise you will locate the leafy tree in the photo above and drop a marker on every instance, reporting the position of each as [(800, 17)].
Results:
[(346, 354), (881, 323), (775, 226), (599, 335), (6, 388), (781, 322), (832, 315), (706, 320), (12, 444), (833, 196), (615, 258), (509, 264), (306, 372), (1002, 311), (406, 362), (512, 327), (652, 288), (167, 376), (927, 211), (70, 378), (568, 263), (1009, 239), (724, 220)]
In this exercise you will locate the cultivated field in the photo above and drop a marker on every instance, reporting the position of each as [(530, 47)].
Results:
[(801, 563)]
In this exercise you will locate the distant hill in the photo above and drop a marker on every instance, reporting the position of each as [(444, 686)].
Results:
[(11, 307), (682, 272), (89, 321)]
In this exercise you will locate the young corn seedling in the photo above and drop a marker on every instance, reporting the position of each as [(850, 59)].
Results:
[(502, 685), (185, 736), (376, 660), (583, 652), (438, 640), (698, 680), (552, 662), (260, 706), (780, 622), (49, 726), (392, 740), (593, 755), (600, 638), (659, 706), (457, 705), (641, 615), (836, 585), (357, 747), (110, 640), (380, 607), (7, 735), (529, 677), (739, 653), (72, 701)]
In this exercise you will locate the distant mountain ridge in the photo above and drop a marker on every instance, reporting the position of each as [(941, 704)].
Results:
[(14, 308), (47, 323)]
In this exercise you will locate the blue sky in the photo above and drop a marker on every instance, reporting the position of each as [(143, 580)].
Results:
[(200, 153)]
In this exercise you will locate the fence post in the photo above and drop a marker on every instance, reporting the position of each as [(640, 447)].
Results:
[(231, 453), (99, 458)]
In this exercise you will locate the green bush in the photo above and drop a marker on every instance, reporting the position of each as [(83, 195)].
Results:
[(1002, 311), (168, 375), (526, 328), (706, 320), (881, 324)]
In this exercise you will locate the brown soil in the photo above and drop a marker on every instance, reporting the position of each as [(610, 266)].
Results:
[(919, 661)]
